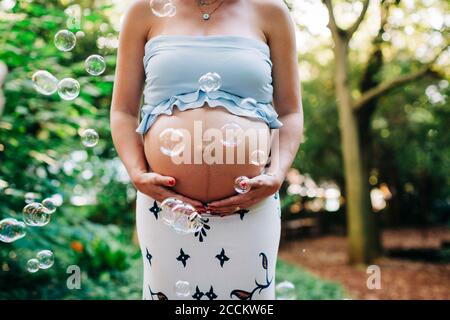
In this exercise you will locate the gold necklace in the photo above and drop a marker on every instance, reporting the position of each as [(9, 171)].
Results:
[(205, 15)]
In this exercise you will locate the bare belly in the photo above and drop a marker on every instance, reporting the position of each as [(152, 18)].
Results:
[(206, 149)]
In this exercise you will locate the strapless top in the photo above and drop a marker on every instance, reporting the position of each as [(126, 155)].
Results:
[(174, 64)]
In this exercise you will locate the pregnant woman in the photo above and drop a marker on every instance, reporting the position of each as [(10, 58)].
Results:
[(221, 100)]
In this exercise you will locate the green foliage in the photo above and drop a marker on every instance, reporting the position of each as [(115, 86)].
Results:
[(41, 154), (308, 286)]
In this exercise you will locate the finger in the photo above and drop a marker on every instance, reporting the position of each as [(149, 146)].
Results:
[(219, 212), (255, 182), (222, 214), (232, 209), (228, 202), (164, 180)]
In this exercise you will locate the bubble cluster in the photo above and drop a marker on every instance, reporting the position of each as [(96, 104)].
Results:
[(231, 134), (11, 230), (285, 290), (163, 8), (68, 88), (44, 260), (183, 288), (35, 215), (65, 40), (241, 185), (210, 82), (95, 65), (89, 138), (171, 142), (180, 216), (44, 82)]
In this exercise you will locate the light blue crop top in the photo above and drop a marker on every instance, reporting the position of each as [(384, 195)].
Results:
[(174, 64)]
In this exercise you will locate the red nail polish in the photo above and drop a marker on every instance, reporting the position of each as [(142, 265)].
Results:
[(171, 182)]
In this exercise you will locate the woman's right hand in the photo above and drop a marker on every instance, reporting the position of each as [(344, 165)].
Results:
[(156, 186)]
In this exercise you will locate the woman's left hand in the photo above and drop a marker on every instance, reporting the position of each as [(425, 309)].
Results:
[(262, 186)]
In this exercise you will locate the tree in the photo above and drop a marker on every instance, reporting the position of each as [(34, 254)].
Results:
[(354, 119)]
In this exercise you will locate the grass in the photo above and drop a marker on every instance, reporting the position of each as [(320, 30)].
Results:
[(307, 285)]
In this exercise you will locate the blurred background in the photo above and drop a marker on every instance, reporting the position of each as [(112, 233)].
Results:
[(365, 207)]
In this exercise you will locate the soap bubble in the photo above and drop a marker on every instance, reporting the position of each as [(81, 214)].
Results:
[(232, 134), (167, 215), (89, 138), (163, 8), (68, 88), (44, 82), (258, 158), (12, 230), (241, 185), (33, 265), (210, 82), (65, 40), (185, 219), (45, 259), (49, 205), (170, 203), (180, 216), (95, 65), (182, 288), (184, 209), (285, 290), (34, 214), (171, 142)]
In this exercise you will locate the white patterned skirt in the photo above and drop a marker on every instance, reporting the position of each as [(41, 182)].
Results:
[(231, 257)]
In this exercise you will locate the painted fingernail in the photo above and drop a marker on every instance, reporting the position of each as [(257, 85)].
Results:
[(171, 182)]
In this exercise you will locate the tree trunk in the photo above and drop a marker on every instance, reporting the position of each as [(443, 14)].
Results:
[(369, 80), (362, 239)]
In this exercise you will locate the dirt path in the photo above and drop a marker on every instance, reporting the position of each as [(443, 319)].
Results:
[(400, 278)]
